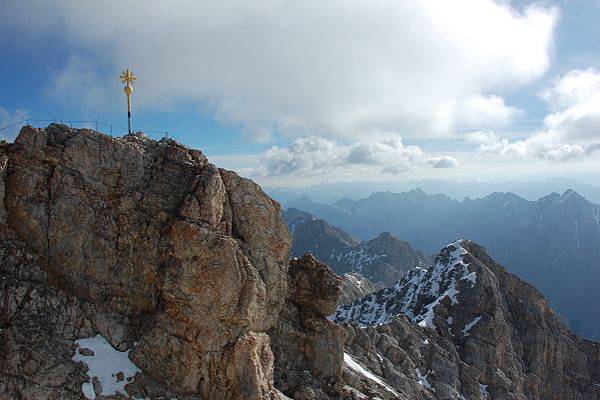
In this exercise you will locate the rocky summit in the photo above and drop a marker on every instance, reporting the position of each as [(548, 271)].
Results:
[(135, 269)]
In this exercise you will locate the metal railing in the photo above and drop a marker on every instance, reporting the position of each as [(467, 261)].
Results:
[(89, 124)]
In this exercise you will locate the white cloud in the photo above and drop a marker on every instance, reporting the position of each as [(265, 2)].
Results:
[(487, 111), (540, 145), (303, 155), (13, 118), (387, 151), (337, 68), (575, 100), (320, 156), (443, 162), (573, 88), (570, 132)]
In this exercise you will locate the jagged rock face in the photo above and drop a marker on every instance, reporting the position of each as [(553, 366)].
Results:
[(183, 263), (383, 260), (183, 269), (467, 329), (309, 347), (417, 295)]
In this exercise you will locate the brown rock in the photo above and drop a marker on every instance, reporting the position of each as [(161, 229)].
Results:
[(161, 248), (86, 352), (314, 285), (97, 385)]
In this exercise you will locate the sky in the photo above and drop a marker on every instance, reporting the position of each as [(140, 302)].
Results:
[(303, 93)]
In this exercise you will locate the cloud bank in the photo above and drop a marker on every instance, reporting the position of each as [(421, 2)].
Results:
[(336, 69), (319, 156), (571, 131)]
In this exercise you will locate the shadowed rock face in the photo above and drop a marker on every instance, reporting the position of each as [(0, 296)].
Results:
[(309, 347), (466, 327), (182, 262)]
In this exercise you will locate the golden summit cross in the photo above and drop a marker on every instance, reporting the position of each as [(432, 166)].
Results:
[(128, 77)]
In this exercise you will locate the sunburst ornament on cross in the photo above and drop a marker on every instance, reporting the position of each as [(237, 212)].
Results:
[(127, 77)]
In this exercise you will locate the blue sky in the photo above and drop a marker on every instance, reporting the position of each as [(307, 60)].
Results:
[(303, 93)]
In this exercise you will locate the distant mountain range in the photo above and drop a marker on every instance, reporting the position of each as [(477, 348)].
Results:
[(553, 242), (330, 193), (382, 260)]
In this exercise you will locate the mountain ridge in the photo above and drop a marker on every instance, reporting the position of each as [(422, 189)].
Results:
[(553, 242)]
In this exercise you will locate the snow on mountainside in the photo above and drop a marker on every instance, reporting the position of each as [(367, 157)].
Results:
[(466, 329), (417, 294)]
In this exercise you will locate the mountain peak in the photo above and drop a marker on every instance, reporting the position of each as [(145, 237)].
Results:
[(466, 311), (570, 195), (418, 293)]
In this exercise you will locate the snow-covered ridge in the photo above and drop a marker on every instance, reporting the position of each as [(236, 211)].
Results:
[(417, 294)]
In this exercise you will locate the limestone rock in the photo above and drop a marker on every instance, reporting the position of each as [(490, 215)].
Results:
[(151, 246), (180, 272)]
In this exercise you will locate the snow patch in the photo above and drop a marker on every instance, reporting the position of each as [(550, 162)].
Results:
[(353, 365), (422, 380), (104, 364), (471, 277), (358, 282), (470, 325), (359, 258), (484, 392)]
